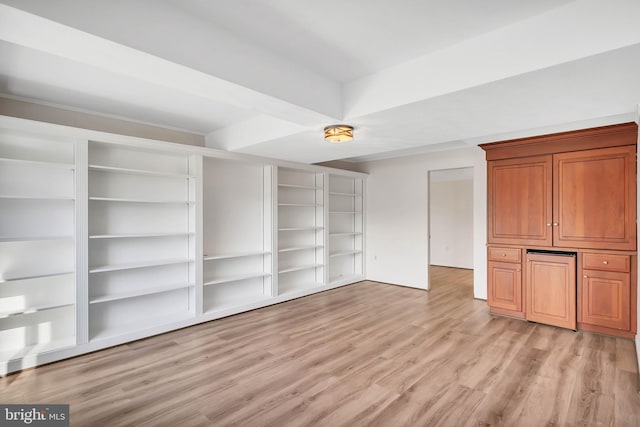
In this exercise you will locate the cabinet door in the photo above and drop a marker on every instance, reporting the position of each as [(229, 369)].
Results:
[(519, 201), (595, 193), (606, 299), (551, 290), (505, 286)]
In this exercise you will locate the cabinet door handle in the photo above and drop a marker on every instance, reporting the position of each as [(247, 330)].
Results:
[(504, 254), (555, 224), (518, 270), (605, 262), (548, 224), (585, 277)]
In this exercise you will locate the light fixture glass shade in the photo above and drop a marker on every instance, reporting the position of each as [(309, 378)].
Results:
[(338, 133)]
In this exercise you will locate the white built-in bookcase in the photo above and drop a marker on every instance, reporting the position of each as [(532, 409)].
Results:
[(37, 244), (346, 228), (141, 239), (237, 223), (301, 229), (106, 239)]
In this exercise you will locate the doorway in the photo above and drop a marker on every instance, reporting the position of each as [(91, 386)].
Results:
[(451, 229)]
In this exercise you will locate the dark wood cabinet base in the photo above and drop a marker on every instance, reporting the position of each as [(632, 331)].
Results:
[(508, 313)]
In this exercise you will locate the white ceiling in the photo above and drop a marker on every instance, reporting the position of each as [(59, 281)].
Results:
[(264, 77)]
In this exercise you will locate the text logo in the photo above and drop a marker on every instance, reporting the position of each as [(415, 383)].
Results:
[(34, 415)]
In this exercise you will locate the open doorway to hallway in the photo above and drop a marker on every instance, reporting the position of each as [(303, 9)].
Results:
[(451, 229)]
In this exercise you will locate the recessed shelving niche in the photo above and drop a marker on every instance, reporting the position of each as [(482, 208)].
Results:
[(237, 224), (301, 229), (37, 246), (142, 271), (346, 227)]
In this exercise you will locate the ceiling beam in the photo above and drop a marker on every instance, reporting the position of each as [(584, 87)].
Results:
[(562, 35)]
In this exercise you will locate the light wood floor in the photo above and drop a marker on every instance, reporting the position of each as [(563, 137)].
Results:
[(365, 354)]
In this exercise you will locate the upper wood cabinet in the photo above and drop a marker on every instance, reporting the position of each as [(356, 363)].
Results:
[(594, 204), (519, 201), (573, 199)]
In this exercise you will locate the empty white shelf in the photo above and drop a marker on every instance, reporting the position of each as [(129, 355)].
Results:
[(299, 268), (103, 168), (155, 322), (348, 233), (226, 301), (336, 193), (34, 238), (292, 287), (236, 255), (42, 198), (140, 292), (300, 205), (343, 253), (139, 235), (349, 277), (306, 187), (34, 350), (128, 266), (126, 200), (235, 278), (299, 228), (33, 309), (36, 276), (343, 212), (300, 248), (38, 164)]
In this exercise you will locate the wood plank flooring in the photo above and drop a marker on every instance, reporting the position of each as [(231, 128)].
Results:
[(365, 354)]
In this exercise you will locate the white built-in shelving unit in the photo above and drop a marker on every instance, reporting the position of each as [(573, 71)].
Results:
[(141, 239), (237, 224), (346, 228), (37, 245), (105, 238), (301, 230)]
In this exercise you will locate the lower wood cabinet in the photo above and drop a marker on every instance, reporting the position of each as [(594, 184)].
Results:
[(605, 299), (593, 291), (607, 293), (504, 281), (505, 286), (551, 289)]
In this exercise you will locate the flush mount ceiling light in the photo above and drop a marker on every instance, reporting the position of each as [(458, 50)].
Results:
[(338, 133)]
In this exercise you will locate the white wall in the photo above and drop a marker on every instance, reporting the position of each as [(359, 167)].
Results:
[(397, 216), (451, 218)]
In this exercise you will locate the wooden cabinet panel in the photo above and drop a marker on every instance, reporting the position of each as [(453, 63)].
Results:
[(505, 286), (606, 262), (519, 201), (594, 199), (551, 289), (504, 254), (606, 299)]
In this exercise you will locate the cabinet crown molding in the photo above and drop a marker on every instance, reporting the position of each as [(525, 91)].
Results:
[(584, 139)]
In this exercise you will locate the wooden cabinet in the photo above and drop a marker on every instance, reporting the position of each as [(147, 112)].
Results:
[(505, 286), (567, 192), (551, 289), (585, 200), (594, 205), (519, 204), (505, 281), (606, 291), (605, 299)]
